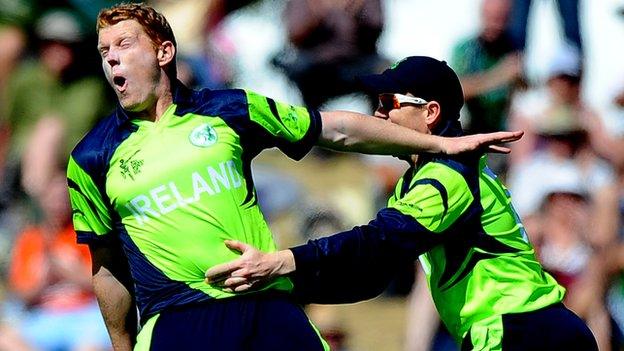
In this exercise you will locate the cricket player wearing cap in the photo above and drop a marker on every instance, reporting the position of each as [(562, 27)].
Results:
[(453, 214)]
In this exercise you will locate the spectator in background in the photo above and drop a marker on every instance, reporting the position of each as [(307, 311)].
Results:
[(49, 90), (566, 135), (563, 240), (326, 318), (331, 325), (614, 260), (424, 330), (13, 39), (489, 69), (609, 144), (14, 21), (333, 42), (488, 66), (205, 59), (50, 274), (568, 11), (560, 132), (9, 340)]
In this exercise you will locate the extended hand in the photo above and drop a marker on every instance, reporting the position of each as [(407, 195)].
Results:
[(253, 267), (489, 142)]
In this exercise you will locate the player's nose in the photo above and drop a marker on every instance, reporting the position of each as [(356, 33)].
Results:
[(112, 58)]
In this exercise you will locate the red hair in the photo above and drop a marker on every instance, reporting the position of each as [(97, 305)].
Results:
[(154, 24)]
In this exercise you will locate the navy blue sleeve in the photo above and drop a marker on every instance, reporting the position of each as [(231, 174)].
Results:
[(360, 263)]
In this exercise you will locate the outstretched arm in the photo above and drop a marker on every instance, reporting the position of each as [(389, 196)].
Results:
[(355, 132), (342, 268)]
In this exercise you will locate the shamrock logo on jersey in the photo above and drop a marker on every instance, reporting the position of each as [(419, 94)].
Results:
[(203, 136)]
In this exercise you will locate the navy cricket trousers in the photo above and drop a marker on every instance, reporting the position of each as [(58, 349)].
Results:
[(551, 328), (250, 323)]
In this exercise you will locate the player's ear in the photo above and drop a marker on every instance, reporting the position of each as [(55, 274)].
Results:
[(433, 114), (166, 53)]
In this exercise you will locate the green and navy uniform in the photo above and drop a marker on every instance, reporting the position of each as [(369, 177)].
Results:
[(173, 190), (457, 218)]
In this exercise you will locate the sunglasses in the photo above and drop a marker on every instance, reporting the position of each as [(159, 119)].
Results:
[(389, 101)]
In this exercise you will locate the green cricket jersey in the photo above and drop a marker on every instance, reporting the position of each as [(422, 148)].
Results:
[(174, 190), (457, 217), (492, 269)]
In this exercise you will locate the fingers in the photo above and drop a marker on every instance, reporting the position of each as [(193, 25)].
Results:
[(240, 274), (237, 284), (489, 142), (497, 149), (504, 137), (231, 278), (513, 136), (233, 282), (220, 272), (237, 245), (243, 287)]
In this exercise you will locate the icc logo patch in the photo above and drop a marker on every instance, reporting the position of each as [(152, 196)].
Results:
[(130, 167), (203, 136)]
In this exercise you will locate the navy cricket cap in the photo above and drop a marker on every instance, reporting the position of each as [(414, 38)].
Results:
[(424, 77)]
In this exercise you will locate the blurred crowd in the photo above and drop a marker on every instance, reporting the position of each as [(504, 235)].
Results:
[(566, 176)]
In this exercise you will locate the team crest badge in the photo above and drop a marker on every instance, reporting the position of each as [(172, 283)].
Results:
[(203, 136)]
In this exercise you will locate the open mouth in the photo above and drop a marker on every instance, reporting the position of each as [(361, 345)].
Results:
[(120, 83)]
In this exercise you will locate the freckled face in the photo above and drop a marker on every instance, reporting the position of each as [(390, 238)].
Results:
[(130, 64)]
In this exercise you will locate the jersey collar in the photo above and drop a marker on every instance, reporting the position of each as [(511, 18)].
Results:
[(182, 96)]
